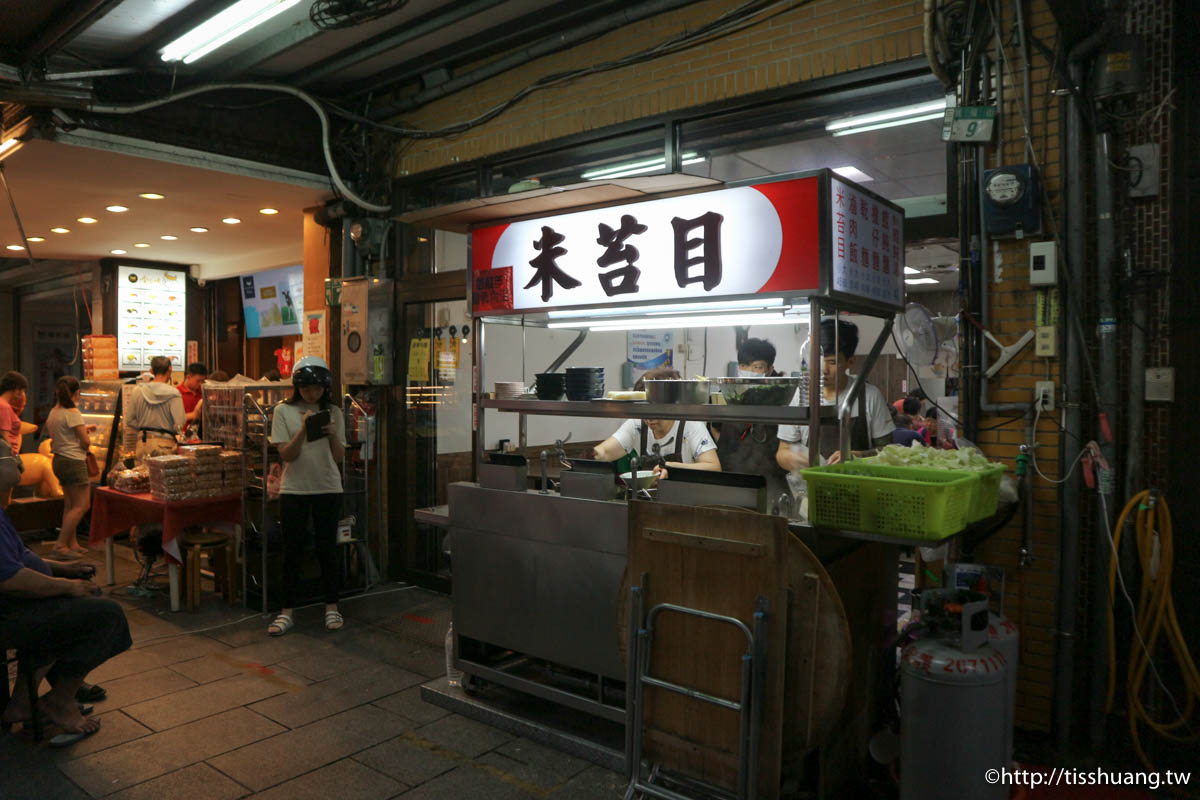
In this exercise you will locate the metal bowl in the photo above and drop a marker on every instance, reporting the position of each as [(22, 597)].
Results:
[(645, 479), (766, 391), (678, 390)]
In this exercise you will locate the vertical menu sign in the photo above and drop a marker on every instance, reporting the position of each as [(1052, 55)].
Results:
[(867, 245), (151, 305)]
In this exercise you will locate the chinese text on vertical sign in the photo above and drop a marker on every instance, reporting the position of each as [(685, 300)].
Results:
[(868, 244)]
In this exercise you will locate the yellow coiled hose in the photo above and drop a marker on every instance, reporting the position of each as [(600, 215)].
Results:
[(1155, 617)]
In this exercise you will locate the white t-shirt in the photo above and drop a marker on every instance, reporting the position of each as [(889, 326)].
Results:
[(60, 427), (314, 471), (879, 419), (696, 439)]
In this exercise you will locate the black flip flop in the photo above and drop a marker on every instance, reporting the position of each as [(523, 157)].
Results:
[(65, 739), (90, 693), (85, 709)]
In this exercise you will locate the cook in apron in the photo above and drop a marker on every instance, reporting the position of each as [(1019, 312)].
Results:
[(676, 456), (860, 436)]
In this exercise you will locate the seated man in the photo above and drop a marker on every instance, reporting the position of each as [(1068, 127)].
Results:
[(51, 615)]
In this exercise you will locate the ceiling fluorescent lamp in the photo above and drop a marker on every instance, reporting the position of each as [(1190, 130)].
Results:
[(712, 306), (9, 146), (904, 112), (892, 123), (919, 281), (637, 167), (853, 174), (911, 271), (701, 321), (223, 28)]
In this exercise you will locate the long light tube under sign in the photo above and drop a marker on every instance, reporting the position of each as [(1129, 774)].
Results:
[(714, 306), (223, 28), (779, 317)]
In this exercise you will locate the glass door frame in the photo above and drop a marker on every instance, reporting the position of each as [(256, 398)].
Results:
[(411, 292)]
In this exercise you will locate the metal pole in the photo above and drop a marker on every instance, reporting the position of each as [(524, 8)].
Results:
[(814, 383)]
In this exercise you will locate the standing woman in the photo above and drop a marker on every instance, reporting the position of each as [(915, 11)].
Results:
[(311, 485), (72, 454)]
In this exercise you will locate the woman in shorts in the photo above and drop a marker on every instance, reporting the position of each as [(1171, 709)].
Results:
[(69, 442)]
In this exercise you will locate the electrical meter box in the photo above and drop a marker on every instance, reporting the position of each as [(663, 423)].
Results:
[(1012, 201), (367, 331)]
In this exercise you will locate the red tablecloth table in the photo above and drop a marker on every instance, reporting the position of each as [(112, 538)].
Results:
[(113, 512)]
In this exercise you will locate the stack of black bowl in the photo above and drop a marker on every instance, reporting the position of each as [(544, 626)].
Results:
[(584, 383), (550, 385)]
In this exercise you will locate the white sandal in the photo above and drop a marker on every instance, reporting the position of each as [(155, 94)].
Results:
[(282, 624), (333, 621)]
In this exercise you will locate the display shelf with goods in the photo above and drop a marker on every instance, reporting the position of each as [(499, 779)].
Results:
[(100, 403)]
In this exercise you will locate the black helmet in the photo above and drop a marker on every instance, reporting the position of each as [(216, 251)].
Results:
[(312, 371)]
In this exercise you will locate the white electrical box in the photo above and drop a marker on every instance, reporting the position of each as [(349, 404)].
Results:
[(1160, 385), (1043, 264)]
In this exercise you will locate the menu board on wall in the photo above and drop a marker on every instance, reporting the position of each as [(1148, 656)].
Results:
[(273, 302), (151, 314)]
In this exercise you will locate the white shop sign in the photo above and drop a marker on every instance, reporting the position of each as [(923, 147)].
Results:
[(867, 244)]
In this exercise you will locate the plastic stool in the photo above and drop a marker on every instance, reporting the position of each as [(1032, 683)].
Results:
[(219, 546)]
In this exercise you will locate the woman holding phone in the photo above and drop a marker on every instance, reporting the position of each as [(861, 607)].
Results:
[(73, 464), (310, 433)]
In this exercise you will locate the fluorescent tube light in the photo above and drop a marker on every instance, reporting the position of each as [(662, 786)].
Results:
[(9, 146), (699, 321), (919, 281), (223, 28), (911, 271), (637, 167), (712, 306), (891, 124), (854, 174), (906, 113)]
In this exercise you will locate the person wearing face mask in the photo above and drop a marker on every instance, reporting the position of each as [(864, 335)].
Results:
[(681, 443), (750, 448), (871, 423)]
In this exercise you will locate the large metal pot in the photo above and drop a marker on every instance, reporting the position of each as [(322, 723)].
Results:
[(678, 390)]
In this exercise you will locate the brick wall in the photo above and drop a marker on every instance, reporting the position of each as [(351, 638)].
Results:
[(811, 40)]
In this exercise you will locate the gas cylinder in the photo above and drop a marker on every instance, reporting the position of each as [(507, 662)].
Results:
[(1005, 639), (955, 722)]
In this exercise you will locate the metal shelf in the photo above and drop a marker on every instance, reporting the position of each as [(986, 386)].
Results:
[(639, 410)]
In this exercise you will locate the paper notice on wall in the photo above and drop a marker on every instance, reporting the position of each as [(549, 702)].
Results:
[(418, 360), (313, 341), (649, 349)]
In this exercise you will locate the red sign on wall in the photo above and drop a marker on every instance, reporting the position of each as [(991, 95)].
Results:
[(492, 289)]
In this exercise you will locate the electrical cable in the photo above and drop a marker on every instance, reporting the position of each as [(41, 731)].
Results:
[(1155, 613), (1033, 453), (312, 102), (16, 215)]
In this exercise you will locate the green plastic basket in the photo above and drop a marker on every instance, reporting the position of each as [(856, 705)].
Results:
[(985, 492), (914, 502)]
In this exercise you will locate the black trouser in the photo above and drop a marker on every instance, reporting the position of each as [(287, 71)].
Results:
[(294, 510), (77, 633)]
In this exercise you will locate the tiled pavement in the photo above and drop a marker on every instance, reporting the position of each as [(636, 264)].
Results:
[(198, 712)]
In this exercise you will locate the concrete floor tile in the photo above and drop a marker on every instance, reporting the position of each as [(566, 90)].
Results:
[(325, 664), (294, 753), (131, 662), (197, 782), (116, 728), (409, 760), (158, 754), (273, 649), (469, 783), (383, 645), (209, 668), (180, 708), (143, 686), (184, 648), (409, 705), (461, 735), (329, 697), (545, 764), (594, 783), (345, 778)]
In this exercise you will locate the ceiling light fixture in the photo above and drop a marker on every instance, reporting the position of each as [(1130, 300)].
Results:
[(231, 220), (636, 167), (854, 174), (166, 237), (60, 230), (223, 28), (116, 209), (9, 146), (198, 229), (887, 118), (117, 252), (151, 196), (140, 244), (919, 281), (15, 247), (911, 271), (268, 211), (86, 220), (37, 239)]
